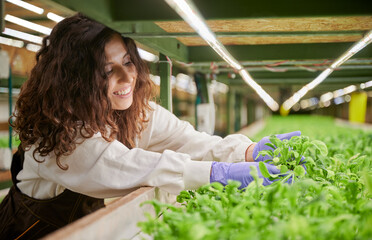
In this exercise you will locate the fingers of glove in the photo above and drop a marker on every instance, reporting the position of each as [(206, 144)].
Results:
[(241, 172), (222, 172), (288, 135), (259, 147), (272, 169)]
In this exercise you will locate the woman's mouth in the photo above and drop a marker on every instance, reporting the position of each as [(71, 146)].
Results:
[(123, 92)]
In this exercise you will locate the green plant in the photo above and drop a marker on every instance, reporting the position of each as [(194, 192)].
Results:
[(290, 155), (332, 201), (4, 142)]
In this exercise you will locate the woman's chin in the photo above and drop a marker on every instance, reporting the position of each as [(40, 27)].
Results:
[(122, 107)]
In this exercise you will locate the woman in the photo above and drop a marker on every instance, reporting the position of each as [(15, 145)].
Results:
[(89, 131)]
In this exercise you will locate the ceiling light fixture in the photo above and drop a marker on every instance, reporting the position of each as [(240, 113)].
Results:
[(145, 55), (54, 17), (22, 35), (337, 94), (326, 97), (367, 39), (191, 15), (11, 42), (368, 84), (28, 24), (259, 90), (33, 47)]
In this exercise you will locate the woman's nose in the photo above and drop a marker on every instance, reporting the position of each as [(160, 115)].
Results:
[(123, 75)]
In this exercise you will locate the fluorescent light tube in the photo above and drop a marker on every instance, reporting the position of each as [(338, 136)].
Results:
[(350, 89), (320, 78), (54, 17), (338, 93), (27, 24), (191, 15), (368, 84), (145, 55), (367, 39), (326, 97), (22, 35), (273, 105), (11, 42), (304, 90), (33, 47), (155, 79)]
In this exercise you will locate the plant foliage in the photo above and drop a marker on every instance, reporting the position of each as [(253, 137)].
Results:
[(331, 201)]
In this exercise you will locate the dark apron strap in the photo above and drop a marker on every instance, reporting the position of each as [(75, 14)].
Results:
[(17, 164), (28, 218)]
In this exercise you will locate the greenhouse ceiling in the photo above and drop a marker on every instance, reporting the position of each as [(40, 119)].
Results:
[(280, 43)]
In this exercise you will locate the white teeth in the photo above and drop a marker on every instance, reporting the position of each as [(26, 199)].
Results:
[(123, 92)]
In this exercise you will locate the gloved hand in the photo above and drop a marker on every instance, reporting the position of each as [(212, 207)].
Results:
[(261, 145), (222, 171)]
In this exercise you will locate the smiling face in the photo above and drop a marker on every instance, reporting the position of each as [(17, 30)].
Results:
[(121, 73)]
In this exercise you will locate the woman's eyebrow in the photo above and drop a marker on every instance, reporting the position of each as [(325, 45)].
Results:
[(109, 63)]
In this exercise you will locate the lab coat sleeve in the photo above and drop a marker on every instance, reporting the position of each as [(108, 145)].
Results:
[(166, 131), (104, 169)]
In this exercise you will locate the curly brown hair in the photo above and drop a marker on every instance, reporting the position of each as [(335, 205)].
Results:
[(67, 92)]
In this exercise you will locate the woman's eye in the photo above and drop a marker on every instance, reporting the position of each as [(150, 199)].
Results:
[(109, 72), (128, 63)]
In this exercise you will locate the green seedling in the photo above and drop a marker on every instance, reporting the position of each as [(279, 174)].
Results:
[(290, 155), (333, 201)]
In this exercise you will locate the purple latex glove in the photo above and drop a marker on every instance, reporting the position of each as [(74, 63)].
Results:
[(261, 145), (221, 172)]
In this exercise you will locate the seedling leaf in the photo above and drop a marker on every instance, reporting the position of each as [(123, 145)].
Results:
[(299, 171), (264, 170), (321, 147), (265, 153), (269, 144), (283, 169)]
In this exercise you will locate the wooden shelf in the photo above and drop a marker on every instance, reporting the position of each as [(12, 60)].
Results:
[(118, 220), (5, 176)]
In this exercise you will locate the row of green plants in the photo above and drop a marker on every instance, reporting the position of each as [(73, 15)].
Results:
[(4, 142), (332, 199)]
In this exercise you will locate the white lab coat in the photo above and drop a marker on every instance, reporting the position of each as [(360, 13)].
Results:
[(170, 154)]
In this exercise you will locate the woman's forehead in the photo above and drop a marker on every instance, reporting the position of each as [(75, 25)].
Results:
[(115, 48)]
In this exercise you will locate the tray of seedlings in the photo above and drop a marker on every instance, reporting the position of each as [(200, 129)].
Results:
[(329, 197)]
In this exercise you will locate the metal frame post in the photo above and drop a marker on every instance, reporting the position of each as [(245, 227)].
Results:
[(230, 110), (165, 71), (10, 94), (237, 110)]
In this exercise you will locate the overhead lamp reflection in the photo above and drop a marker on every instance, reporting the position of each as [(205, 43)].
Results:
[(22, 35), (54, 17), (33, 47), (28, 24), (347, 98), (147, 56), (11, 42)]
